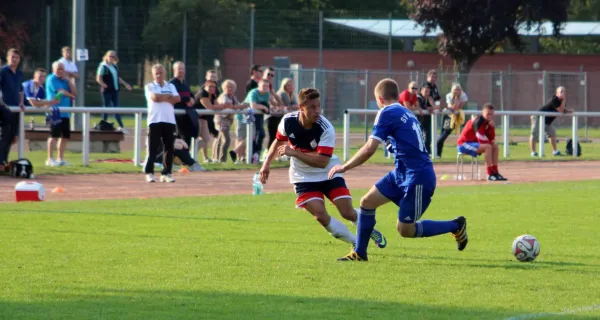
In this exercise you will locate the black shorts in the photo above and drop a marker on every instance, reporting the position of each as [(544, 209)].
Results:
[(61, 130), (332, 189)]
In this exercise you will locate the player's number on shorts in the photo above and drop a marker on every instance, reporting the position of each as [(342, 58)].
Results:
[(419, 133)]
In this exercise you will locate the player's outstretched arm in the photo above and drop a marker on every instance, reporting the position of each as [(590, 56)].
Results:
[(364, 154), (266, 167)]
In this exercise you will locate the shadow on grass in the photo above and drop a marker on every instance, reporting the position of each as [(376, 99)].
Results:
[(488, 263), (73, 303)]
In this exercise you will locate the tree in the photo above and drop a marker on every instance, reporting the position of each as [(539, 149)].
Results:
[(472, 28), (13, 25)]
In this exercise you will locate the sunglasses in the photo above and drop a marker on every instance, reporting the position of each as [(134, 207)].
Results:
[(415, 88)]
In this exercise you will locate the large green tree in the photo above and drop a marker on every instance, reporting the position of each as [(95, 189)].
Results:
[(472, 28)]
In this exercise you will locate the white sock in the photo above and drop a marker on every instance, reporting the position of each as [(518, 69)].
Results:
[(340, 231)]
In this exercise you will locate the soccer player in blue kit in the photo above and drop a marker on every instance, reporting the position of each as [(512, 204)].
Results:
[(410, 185)]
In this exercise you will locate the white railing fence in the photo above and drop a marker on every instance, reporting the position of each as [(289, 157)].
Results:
[(505, 126), (138, 113)]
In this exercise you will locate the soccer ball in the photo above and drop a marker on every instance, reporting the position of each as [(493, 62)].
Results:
[(526, 248)]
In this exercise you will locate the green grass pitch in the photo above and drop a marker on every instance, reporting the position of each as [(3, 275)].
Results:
[(256, 257)]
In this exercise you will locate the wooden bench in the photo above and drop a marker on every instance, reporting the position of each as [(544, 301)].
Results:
[(100, 141)]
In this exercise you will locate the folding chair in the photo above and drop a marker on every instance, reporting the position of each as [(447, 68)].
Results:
[(460, 166)]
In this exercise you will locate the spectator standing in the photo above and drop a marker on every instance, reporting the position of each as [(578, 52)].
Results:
[(211, 75), (424, 101), (556, 104), (206, 98), (408, 98), (434, 93), (161, 97), (258, 99), (71, 71), (256, 74), (11, 94), (59, 87), (224, 121), (107, 75), (455, 100), (187, 124)]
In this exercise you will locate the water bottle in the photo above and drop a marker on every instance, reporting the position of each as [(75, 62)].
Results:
[(31, 124), (257, 186)]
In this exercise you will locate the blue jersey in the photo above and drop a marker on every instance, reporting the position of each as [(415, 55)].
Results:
[(402, 129)]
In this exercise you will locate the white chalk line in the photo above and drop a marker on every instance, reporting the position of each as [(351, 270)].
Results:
[(545, 314)]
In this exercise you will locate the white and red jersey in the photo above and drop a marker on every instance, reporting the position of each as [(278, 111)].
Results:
[(319, 139)]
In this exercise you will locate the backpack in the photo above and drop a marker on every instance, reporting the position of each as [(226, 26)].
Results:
[(21, 168), (569, 148), (105, 126)]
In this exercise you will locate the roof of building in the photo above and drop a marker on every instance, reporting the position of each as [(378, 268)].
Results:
[(403, 28)]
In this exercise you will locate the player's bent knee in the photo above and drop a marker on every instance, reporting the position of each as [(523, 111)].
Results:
[(406, 230)]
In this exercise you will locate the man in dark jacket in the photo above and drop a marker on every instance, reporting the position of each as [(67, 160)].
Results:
[(187, 124)]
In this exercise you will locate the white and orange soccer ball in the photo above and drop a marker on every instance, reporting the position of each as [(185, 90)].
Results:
[(526, 248)]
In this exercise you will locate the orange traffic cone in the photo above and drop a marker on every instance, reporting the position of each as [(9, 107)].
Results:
[(184, 170), (58, 189)]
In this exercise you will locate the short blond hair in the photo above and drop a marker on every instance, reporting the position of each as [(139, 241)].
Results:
[(387, 89), (177, 63), (157, 66), (227, 83)]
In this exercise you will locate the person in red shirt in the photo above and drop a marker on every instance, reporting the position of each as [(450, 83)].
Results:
[(478, 137), (408, 97)]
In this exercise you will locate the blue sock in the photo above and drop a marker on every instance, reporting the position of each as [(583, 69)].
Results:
[(364, 228), (430, 228)]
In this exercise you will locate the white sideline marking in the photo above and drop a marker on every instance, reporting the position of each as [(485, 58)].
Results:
[(539, 315)]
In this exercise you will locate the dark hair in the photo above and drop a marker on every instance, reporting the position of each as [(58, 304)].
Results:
[(423, 87), (255, 67), (207, 82), (307, 94), (211, 71), (488, 106), (40, 70)]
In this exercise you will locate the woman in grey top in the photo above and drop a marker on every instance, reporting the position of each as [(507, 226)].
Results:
[(286, 93)]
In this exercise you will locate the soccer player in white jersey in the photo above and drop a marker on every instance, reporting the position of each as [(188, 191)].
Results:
[(308, 139)]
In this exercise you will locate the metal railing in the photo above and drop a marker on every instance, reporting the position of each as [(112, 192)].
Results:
[(138, 112), (505, 126)]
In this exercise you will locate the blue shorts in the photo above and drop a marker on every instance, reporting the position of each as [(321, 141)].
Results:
[(412, 200), (469, 148)]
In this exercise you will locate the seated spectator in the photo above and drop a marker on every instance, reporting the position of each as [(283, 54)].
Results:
[(223, 122), (455, 101), (408, 98), (478, 137), (556, 104), (181, 156)]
